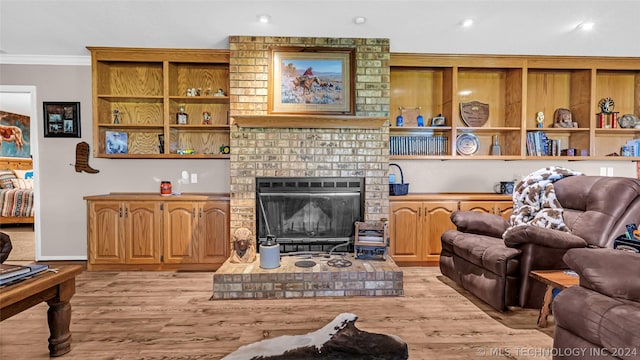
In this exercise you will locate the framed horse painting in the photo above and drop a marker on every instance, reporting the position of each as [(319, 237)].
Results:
[(306, 80)]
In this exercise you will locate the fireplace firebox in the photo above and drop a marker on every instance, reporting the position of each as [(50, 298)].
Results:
[(309, 213)]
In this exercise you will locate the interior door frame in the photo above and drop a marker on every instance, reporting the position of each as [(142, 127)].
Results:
[(34, 139)]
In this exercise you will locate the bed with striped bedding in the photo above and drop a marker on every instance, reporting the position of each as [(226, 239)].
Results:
[(16, 203), (16, 191)]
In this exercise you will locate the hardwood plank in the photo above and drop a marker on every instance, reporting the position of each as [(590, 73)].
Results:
[(168, 315)]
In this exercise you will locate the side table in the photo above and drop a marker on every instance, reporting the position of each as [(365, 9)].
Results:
[(554, 279), (56, 288)]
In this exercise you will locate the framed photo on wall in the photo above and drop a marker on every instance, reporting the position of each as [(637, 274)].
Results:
[(61, 119), (307, 80)]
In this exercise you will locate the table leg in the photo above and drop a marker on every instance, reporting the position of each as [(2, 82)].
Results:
[(546, 306), (59, 318)]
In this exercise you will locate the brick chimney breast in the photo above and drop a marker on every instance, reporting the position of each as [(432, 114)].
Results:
[(356, 150)]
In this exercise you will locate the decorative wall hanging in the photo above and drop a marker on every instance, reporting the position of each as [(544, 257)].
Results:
[(82, 159), (305, 80), (61, 119), (474, 113), (15, 135)]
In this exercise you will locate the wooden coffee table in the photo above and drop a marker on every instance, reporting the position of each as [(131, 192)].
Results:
[(56, 288), (554, 279)]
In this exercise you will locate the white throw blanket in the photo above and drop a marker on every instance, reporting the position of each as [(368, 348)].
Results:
[(535, 202)]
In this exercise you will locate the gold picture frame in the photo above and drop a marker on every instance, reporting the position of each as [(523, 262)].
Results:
[(306, 80)]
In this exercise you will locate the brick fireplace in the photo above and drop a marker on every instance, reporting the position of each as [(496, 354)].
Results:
[(266, 145)]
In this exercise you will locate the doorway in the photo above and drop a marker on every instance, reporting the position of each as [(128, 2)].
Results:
[(22, 100)]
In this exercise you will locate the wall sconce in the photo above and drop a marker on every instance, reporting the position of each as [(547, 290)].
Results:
[(264, 19)]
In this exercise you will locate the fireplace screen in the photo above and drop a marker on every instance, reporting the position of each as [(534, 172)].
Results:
[(309, 213)]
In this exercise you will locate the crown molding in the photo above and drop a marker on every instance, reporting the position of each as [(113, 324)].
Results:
[(45, 60)]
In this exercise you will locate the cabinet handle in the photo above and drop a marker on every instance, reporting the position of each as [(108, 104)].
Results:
[(193, 213), (200, 214), (120, 212), (419, 212), (126, 212)]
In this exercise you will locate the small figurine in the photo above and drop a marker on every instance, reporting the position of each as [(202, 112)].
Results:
[(562, 119), (116, 118), (220, 92), (243, 247), (540, 119), (206, 118)]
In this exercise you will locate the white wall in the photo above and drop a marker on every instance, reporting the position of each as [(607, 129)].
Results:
[(435, 176), (504, 27)]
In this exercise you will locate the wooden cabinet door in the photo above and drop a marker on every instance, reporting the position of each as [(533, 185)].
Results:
[(405, 231), (437, 220), (480, 206), (504, 208), (106, 233), (213, 231), (143, 232), (180, 232)]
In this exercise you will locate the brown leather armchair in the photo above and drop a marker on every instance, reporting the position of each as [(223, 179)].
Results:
[(496, 270), (5, 247), (600, 318)]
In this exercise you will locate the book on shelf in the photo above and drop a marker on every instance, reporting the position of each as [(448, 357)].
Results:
[(7, 270), (33, 270), (418, 145), (538, 144)]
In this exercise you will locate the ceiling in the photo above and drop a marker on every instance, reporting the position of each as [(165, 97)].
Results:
[(63, 28)]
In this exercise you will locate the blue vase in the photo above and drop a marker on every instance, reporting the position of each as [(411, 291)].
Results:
[(399, 120), (420, 120)]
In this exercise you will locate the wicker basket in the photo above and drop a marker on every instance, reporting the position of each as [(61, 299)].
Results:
[(398, 189)]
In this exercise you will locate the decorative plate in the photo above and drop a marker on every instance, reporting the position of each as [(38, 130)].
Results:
[(467, 144)]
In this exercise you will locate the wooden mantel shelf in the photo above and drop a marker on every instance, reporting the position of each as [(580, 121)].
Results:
[(310, 121)]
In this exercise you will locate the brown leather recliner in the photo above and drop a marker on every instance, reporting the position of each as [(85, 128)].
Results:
[(496, 270), (601, 317), (5, 247)]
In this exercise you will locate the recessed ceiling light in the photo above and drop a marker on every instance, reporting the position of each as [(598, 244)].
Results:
[(467, 22), (586, 26), (264, 18), (359, 20)]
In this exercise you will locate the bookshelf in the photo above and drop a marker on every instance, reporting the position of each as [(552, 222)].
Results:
[(516, 89), (147, 87)]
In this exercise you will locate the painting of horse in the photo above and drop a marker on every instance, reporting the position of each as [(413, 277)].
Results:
[(14, 135), (312, 81), (306, 83)]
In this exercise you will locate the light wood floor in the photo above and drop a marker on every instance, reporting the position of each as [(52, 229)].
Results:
[(23, 242), (168, 315)]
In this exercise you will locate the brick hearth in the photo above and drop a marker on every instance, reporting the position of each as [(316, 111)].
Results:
[(362, 278)]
